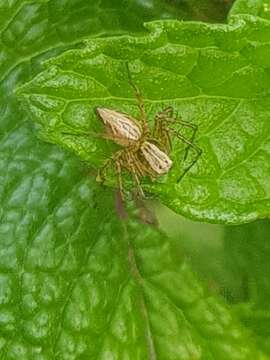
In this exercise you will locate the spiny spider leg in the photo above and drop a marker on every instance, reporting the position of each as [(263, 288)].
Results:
[(140, 101), (194, 131), (166, 116), (119, 177), (137, 181), (160, 130), (166, 112), (191, 145), (122, 159), (169, 110), (136, 170), (102, 171)]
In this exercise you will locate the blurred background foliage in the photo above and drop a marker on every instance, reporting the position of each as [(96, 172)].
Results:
[(202, 10), (214, 11), (233, 262)]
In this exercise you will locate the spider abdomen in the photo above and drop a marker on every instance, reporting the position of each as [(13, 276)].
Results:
[(119, 126), (157, 159)]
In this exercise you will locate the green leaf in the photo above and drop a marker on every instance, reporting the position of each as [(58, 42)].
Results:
[(28, 29), (234, 259), (257, 320), (213, 76), (45, 196), (86, 287), (247, 254), (203, 245), (253, 7), (63, 253), (234, 263)]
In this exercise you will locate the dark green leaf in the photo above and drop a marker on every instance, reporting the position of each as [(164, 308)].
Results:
[(247, 249), (203, 10), (87, 286), (233, 261), (257, 319), (247, 252)]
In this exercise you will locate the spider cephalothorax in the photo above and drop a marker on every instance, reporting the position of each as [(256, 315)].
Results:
[(144, 152)]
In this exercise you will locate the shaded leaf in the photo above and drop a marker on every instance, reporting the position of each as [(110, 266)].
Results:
[(203, 10), (257, 320), (234, 263), (247, 252)]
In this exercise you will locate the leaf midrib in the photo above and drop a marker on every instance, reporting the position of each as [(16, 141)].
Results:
[(135, 273)]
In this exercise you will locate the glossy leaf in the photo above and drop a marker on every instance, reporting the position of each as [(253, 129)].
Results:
[(212, 75)]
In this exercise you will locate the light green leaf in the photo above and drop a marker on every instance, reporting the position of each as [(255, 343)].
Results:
[(253, 7), (213, 76)]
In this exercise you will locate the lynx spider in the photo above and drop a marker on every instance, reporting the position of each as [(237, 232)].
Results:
[(142, 153)]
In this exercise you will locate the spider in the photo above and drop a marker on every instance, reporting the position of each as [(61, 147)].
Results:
[(143, 152)]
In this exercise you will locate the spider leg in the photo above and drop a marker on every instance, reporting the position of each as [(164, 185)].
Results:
[(119, 177), (160, 131), (102, 171), (166, 115), (142, 168), (137, 182), (194, 129), (136, 171), (128, 160), (139, 98), (167, 112), (191, 145)]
